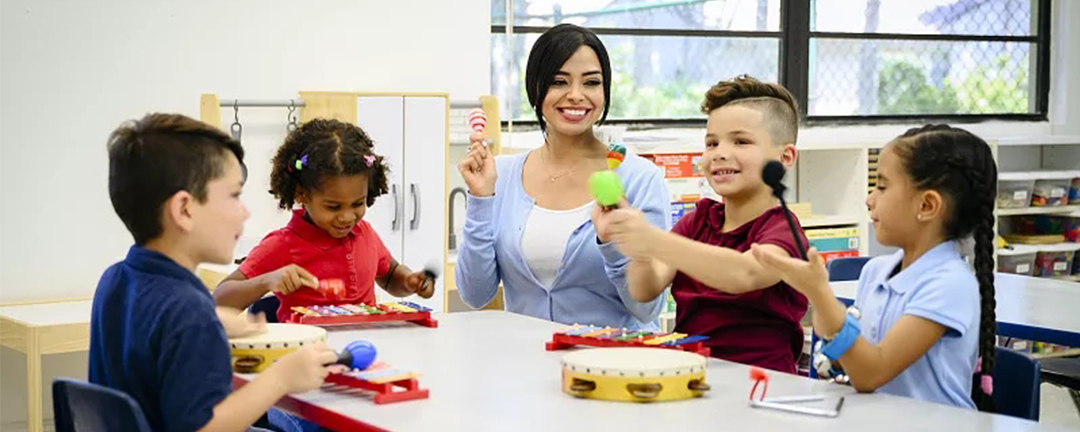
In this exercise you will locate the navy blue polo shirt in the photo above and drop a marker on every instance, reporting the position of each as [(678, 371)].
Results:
[(154, 335)]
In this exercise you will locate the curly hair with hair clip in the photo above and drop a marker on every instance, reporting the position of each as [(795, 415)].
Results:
[(321, 149), (961, 167)]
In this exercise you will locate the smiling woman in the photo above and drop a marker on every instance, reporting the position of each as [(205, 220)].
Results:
[(528, 222)]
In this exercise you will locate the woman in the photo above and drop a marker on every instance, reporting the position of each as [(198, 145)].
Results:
[(530, 217)]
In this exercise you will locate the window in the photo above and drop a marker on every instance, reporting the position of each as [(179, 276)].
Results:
[(843, 59)]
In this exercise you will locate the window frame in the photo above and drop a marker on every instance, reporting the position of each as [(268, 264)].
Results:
[(794, 36)]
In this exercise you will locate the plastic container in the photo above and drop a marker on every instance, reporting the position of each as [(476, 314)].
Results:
[(1019, 260), (1055, 260), (1041, 225), (1050, 192), (1014, 193), (1071, 230)]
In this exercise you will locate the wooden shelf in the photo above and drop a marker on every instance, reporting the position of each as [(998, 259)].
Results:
[(1057, 210), (1037, 140)]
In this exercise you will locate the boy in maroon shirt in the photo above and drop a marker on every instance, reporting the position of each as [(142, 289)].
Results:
[(720, 290)]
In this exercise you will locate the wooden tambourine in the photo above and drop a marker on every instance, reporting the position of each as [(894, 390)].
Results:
[(253, 354), (634, 374)]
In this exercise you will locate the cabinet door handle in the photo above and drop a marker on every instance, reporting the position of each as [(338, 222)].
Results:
[(397, 217), (415, 222)]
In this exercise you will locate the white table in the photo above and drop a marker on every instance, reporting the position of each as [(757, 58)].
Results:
[(488, 370), (44, 328), (1031, 308)]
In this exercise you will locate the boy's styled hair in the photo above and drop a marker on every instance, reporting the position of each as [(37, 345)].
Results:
[(773, 101), (323, 148), (153, 158)]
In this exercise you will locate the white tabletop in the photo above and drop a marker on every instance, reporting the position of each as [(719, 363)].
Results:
[(49, 314), (488, 370), (1044, 309)]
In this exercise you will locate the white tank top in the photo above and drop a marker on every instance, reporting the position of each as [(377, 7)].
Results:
[(544, 241)]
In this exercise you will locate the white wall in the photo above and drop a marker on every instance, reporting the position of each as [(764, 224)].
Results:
[(72, 71)]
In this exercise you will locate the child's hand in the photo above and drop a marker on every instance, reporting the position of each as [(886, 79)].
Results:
[(630, 231), (805, 276), (240, 324), (304, 369), (418, 283), (478, 167), (601, 220), (290, 278)]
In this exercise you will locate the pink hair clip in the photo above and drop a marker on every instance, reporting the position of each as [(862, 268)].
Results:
[(370, 160)]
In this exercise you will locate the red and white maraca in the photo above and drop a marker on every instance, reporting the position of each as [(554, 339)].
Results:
[(477, 120)]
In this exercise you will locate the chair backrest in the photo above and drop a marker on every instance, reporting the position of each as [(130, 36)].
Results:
[(1016, 384), (80, 406), (845, 269)]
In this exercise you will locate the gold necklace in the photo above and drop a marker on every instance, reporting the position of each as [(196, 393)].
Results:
[(551, 176)]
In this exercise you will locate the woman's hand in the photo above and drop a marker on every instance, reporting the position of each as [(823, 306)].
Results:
[(478, 167)]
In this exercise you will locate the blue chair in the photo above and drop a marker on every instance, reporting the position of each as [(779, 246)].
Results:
[(84, 407), (845, 269), (1016, 384), (267, 305)]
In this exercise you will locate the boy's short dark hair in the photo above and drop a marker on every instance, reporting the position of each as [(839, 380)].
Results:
[(153, 158), (773, 101)]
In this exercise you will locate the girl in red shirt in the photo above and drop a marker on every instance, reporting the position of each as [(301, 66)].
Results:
[(329, 168)]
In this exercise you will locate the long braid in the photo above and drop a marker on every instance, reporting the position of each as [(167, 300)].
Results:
[(960, 165), (984, 272)]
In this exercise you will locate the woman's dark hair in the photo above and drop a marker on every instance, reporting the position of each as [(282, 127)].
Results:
[(324, 148), (961, 167), (551, 50)]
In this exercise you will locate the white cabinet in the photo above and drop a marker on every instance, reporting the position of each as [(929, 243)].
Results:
[(410, 132)]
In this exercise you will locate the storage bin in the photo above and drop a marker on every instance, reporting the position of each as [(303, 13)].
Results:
[(1050, 192), (1055, 260), (1014, 193), (1019, 260)]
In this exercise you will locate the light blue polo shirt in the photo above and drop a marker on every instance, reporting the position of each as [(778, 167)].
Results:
[(941, 287)]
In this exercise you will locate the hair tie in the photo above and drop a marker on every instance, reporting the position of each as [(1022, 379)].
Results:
[(370, 160), (987, 384), (300, 162)]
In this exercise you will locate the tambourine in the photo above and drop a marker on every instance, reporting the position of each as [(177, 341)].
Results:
[(634, 374)]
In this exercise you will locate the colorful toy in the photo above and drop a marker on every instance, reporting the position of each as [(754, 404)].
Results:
[(593, 336), (634, 374), (348, 314), (615, 155), (477, 120), (383, 381), (606, 186), (357, 355), (332, 288), (255, 353)]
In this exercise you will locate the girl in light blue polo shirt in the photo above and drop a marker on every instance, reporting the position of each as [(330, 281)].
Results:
[(923, 317)]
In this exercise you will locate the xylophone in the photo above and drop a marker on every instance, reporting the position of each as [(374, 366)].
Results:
[(382, 381), (346, 314), (579, 335), (634, 374)]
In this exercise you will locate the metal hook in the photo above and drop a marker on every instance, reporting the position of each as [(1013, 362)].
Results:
[(293, 124), (236, 128)]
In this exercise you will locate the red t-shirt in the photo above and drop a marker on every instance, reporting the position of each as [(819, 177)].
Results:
[(357, 259), (759, 328)]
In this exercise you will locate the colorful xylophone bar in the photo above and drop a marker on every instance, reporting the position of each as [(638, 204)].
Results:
[(389, 385), (587, 335), (345, 314)]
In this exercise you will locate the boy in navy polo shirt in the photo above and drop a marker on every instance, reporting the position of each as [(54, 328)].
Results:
[(720, 289), (155, 335)]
